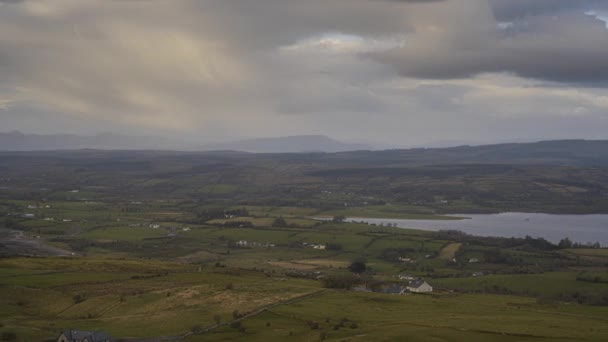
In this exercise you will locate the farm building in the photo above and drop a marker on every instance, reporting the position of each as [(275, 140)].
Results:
[(419, 286), (83, 336), (405, 276)]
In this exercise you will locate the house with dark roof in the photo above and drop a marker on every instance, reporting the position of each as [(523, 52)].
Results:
[(419, 286), (83, 336), (393, 289)]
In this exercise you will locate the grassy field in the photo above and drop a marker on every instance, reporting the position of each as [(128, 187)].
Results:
[(173, 298), (388, 212), (193, 271), (372, 317), (589, 252), (449, 252), (168, 299), (547, 284)]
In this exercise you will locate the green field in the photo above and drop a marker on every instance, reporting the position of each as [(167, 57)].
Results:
[(165, 299)]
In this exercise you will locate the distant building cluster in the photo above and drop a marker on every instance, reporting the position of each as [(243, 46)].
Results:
[(252, 244)]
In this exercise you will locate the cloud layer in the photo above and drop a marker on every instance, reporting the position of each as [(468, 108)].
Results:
[(399, 72)]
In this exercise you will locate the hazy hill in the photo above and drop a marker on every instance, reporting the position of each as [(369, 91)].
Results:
[(17, 141), (568, 176), (555, 152), (305, 147), (292, 144)]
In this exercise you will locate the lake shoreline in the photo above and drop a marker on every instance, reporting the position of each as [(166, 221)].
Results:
[(582, 228)]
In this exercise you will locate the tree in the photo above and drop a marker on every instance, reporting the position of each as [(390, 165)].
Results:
[(358, 266), (279, 222), (564, 243), (339, 281), (339, 218)]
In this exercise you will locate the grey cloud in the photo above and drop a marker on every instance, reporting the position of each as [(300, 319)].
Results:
[(507, 10), (571, 47), (233, 68)]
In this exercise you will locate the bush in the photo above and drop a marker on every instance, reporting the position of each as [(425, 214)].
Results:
[(357, 266), (338, 219), (314, 325), (78, 299), (340, 281), (279, 222)]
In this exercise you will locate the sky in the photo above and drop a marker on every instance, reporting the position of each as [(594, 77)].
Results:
[(398, 72)]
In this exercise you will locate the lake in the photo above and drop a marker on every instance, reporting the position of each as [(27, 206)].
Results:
[(579, 228)]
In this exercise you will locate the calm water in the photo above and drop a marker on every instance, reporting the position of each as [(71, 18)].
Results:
[(579, 228)]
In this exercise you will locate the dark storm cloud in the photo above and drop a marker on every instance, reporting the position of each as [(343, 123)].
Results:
[(507, 10), (571, 47)]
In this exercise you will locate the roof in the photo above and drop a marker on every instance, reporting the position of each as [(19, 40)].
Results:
[(417, 283), (394, 289), (93, 336)]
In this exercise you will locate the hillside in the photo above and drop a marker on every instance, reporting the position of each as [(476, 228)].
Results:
[(554, 176)]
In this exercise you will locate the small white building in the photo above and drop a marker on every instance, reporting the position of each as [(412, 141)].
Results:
[(406, 277), (419, 286)]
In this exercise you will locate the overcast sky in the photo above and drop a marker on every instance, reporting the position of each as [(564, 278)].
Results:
[(402, 72)]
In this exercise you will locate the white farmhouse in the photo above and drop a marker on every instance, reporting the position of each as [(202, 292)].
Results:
[(419, 286)]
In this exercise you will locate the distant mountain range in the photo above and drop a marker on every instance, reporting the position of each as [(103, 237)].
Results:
[(565, 152), (17, 141), (293, 144)]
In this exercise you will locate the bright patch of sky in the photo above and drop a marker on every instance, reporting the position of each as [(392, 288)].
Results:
[(603, 16), (345, 43), (505, 25)]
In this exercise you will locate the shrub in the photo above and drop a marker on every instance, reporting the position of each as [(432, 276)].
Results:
[(78, 299), (340, 281), (314, 325)]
